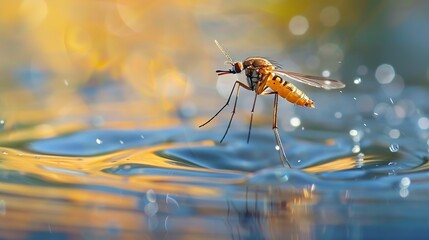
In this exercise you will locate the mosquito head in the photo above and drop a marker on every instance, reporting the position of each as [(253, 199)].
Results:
[(237, 67)]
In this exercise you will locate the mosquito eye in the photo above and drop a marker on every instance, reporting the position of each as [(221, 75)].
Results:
[(238, 67)]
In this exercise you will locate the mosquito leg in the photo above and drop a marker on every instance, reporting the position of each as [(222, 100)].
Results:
[(251, 117), (227, 102), (281, 150), (232, 114), (220, 110)]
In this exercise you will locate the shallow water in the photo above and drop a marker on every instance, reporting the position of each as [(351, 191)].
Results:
[(352, 177)]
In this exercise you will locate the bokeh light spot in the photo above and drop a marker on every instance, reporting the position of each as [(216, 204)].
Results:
[(385, 73), (298, 25)]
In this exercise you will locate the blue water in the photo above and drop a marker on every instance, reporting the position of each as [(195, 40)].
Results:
[(361, 174)]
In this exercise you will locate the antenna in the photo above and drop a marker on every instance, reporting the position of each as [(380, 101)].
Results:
[(224, 52)]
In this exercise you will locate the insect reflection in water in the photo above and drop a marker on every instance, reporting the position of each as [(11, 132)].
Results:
[(264, 78)]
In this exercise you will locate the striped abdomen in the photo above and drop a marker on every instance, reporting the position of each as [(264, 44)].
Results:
[(288, 91)]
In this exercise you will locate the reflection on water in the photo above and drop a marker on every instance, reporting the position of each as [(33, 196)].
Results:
[(178, 182)]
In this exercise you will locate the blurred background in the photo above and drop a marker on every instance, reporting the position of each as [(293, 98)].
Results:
[(100, 103), (59, 58)]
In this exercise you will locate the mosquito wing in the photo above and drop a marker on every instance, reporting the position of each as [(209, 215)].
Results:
[(319, 82)]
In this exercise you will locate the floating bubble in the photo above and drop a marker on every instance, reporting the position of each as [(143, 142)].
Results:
[(277, 147), (405, 182), (423, 123), (326, 73), (2, 122), (298, 25), (385, 73), (394, 133), (357, 81), (353, 132), (295, 122), (121, 142), (98, 141), (394, 147), (404, 192)]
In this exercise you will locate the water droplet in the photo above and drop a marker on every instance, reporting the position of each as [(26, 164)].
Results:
[(66, 82), (356, 149), (376, 114), (1, 122), (295, 122), (121, 142), (405, 182), (5, 153), (391, 100), (141, 136), (404, 192), (361, 157), (299, 160), (353, 132), (302, 128), (355, 98), (357, 81), (98, 141), (277, 147), (326, 73), (151, 195), (394, 147), (364, 124)]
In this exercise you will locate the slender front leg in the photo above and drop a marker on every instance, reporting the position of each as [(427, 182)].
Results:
[(227, 102), (279, 146), (232, 114)]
